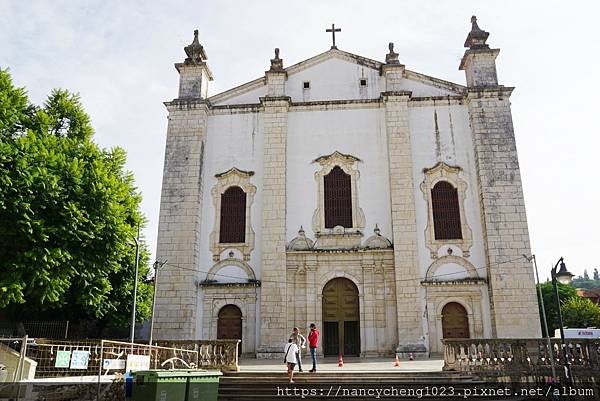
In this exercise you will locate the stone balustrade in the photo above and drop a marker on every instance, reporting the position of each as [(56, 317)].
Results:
[(521, 358), (212, 354)]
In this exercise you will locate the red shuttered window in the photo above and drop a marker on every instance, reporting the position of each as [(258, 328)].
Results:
[(233, 216), (338, 199), (446, 211)]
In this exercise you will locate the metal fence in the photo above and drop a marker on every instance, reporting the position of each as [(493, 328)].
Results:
[(92, 357)]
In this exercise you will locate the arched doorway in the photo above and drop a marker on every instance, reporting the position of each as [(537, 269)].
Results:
[(229, 324), (455, 322), (341, 318)]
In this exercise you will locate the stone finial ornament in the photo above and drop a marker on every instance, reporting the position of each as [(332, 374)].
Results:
[(276, 63), (195, 51), (477, 37), (391, 57), (301, 242), (378, 241)]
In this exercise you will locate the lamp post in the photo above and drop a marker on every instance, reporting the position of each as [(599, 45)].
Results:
[(157, 265), (564, 277), (545, 321), (135, 284)]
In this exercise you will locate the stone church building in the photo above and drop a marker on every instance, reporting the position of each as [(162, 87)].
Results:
[(380, 203)]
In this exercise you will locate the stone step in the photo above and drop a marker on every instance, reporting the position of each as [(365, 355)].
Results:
[(254, 386)]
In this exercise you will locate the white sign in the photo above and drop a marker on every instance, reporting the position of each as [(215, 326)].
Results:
[(579, 333), (138, 362), (80, 359), (113, 364)]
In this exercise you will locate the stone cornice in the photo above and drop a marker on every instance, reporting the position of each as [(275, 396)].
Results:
[(188, 104), (466, 281), (499, 91), (256, 283), (275, 99), (203, 65), (386, 96)]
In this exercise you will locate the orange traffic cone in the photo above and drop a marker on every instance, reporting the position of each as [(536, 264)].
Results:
[(340, 362), (397, 364)]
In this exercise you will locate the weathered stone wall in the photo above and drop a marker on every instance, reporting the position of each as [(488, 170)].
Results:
[(372, 271), (514, 303), (180, 219)]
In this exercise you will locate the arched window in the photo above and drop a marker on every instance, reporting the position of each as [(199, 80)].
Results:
[(338, 199), (446, 211), (233, 216)]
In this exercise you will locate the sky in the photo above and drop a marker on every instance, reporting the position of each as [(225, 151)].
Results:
[(118, 55)]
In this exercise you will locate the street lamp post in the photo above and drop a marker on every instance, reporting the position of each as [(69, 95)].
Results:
[(135, 284), (564, 277), (157, 265), (545, 320)]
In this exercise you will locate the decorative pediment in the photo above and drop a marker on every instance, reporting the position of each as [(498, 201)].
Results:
[(338, 157), (442, 169), (235, 171)]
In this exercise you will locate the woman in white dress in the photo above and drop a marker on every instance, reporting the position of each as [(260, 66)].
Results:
[(289, 358)]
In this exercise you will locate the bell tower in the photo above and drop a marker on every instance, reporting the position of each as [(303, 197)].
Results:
[(181, 200)]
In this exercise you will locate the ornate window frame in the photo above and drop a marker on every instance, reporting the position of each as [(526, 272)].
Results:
[(443, 172), (230, 178), (346, 163)]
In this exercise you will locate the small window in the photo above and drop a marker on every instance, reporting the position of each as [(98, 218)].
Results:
[(306, 85), (363, 82)]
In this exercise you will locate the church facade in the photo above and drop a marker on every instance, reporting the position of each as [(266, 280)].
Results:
[(379, 203)]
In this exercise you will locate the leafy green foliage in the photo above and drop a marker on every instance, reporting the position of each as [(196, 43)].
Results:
[(565, 293), (68, 213), (582, 282), (580, 313)]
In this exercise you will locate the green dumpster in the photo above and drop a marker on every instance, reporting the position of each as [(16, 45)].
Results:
[(159, 385), (203, 385)]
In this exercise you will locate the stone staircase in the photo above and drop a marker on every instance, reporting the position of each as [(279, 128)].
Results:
[(347, 385)]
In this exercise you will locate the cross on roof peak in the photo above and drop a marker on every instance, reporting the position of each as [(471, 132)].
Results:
[(333, 30)]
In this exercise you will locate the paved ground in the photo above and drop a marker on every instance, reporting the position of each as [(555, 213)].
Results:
[(352, 364)]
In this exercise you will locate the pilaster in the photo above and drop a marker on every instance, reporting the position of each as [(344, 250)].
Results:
[(273, 302)]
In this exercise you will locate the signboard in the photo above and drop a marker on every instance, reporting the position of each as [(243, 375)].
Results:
[(80, 359), (579, 333), (138, 362), (63, 359), (113, 364)]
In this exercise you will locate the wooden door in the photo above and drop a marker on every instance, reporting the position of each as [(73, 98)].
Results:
[(229, 324), (455, 322), (341, 318)]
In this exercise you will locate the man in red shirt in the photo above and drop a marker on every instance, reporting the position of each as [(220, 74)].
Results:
[(313, 343)]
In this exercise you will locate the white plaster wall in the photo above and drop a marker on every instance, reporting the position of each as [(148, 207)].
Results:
[(420, 89), (334, 79), (456, 149), (358, 132), (233, 140), (450, 271), (246, 97)]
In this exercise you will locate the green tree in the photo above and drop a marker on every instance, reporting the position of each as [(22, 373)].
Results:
[(68, 213), (580, 313), (565, 292)]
